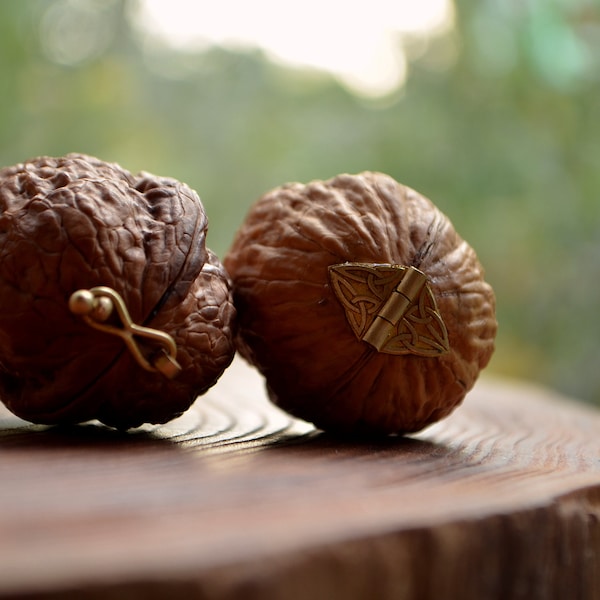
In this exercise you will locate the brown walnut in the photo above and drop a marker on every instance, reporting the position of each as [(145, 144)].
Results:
[(77, 222), (294, 329)]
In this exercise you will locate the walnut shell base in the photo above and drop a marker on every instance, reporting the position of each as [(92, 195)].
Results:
[(293, 328), (77, 222)]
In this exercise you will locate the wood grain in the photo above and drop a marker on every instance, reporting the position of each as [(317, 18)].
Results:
[(235, 499)]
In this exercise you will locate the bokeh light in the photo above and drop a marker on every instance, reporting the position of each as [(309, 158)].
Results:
[(362, 47)]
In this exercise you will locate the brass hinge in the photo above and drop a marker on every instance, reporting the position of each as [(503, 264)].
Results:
[(391, 307)]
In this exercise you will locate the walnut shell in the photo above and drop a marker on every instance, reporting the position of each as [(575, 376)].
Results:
[(293, 328), (77, 222)]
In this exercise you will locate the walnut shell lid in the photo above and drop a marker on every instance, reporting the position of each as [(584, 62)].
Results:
[(296, 331), (76, 222)]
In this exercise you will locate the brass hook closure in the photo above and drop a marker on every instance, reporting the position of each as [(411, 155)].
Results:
[(97, 304)]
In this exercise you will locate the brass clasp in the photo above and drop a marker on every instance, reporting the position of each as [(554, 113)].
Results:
[(97, 304)]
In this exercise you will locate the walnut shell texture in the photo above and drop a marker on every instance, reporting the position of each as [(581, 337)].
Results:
[(294, 330), (77, 222)]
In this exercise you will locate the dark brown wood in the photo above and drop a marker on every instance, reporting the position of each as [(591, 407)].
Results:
[(237, 500)]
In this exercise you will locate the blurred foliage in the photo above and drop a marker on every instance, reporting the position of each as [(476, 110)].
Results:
[(499, 124)]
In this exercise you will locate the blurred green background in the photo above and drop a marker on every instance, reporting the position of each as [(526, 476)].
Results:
[(498, 123)]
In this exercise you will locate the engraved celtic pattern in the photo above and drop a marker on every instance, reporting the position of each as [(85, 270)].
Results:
[(363, 290)]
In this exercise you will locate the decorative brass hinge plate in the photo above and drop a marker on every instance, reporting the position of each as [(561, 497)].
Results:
[(391, 307)]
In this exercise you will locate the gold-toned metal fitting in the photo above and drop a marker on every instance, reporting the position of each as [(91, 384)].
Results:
[(391, 307), (97, 304)]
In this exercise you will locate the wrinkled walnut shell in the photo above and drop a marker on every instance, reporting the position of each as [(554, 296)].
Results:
[(293, 328), (75, 223)]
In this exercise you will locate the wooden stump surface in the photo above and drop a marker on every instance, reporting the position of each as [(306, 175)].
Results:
[(235, 499)]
